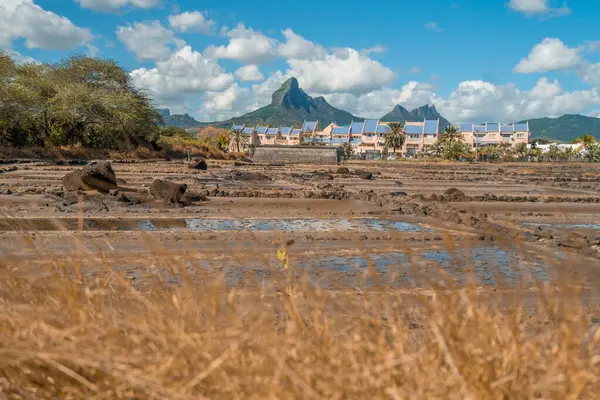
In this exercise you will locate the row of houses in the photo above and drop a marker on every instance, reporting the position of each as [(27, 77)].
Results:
[(368, 136)]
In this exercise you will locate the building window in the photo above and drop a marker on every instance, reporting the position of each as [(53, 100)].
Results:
[(520, 136)]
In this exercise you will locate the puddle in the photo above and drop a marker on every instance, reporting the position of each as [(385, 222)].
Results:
[(566, 226), (217, 225), (486, 265)]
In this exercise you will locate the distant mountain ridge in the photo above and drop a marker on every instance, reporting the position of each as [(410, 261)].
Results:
[(291, 106), (401, 114), (565, 128)]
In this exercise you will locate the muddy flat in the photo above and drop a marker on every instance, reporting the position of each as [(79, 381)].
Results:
[(335, 226)]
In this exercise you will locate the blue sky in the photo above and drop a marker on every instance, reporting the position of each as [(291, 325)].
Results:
[(474, 60)]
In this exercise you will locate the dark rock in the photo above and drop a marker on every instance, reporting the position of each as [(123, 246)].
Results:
[(99, 176), (167, 192), (113, 192), (363, 174), (199, 165), (343, 171), (6, 192), (123, 198), (190, 197), (248, 176)]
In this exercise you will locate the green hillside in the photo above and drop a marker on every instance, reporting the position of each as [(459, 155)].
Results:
[(565, 128)]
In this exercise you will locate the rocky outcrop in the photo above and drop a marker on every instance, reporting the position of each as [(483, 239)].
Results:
[(199, 165), (167, 192), (95, 176), (99, 176)]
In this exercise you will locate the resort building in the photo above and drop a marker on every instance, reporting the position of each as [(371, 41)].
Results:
[(493, 133), (419, 135), (367, 137)]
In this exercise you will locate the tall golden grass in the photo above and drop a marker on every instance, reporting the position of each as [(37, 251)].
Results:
[(69, 334)]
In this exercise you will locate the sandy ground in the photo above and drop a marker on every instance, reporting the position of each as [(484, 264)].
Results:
[(341, 243)]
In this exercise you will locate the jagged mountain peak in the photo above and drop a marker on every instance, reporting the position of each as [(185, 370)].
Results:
[(289, 95)]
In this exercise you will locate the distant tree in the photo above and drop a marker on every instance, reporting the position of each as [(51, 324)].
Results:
[(451, 135), (238, 139), (456, 150), (554, 153), (223, 141), (171, 131), (348, 150), (521, 150), (592, 153), (394, 137), (585, 140), (433, 150)]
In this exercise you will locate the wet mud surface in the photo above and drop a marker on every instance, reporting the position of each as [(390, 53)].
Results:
[(489, 226)]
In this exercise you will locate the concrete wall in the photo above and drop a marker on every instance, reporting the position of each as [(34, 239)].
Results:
[(296, 154)]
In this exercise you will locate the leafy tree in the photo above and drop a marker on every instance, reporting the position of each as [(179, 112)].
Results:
[(593, 153), (554, 153), (394, 137), (170, 131), (223, 141), (521, 150), (238, 139), (79, 101), (586, 140)]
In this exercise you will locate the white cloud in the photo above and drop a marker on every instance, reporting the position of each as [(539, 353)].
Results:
[(41, 29), (538, 8), (184, 73), (380, 102), (374, 49), (249, 73), (590, 73), (346, 70), (549, 55), (116, 5), (192, 21), (480, 101), (149, 40), (236, 100), (296, 47), (433, 26), (245, 45)]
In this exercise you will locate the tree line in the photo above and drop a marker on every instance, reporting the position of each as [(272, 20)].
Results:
[(79, 101)]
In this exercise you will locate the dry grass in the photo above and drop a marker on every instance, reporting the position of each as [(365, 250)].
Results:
[(173, 147), (70, 335)]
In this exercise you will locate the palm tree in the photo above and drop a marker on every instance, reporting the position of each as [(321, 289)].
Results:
[(586, 140), (238, 138), (456, 150), (395, 136), (223, 141), (451, 135)]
